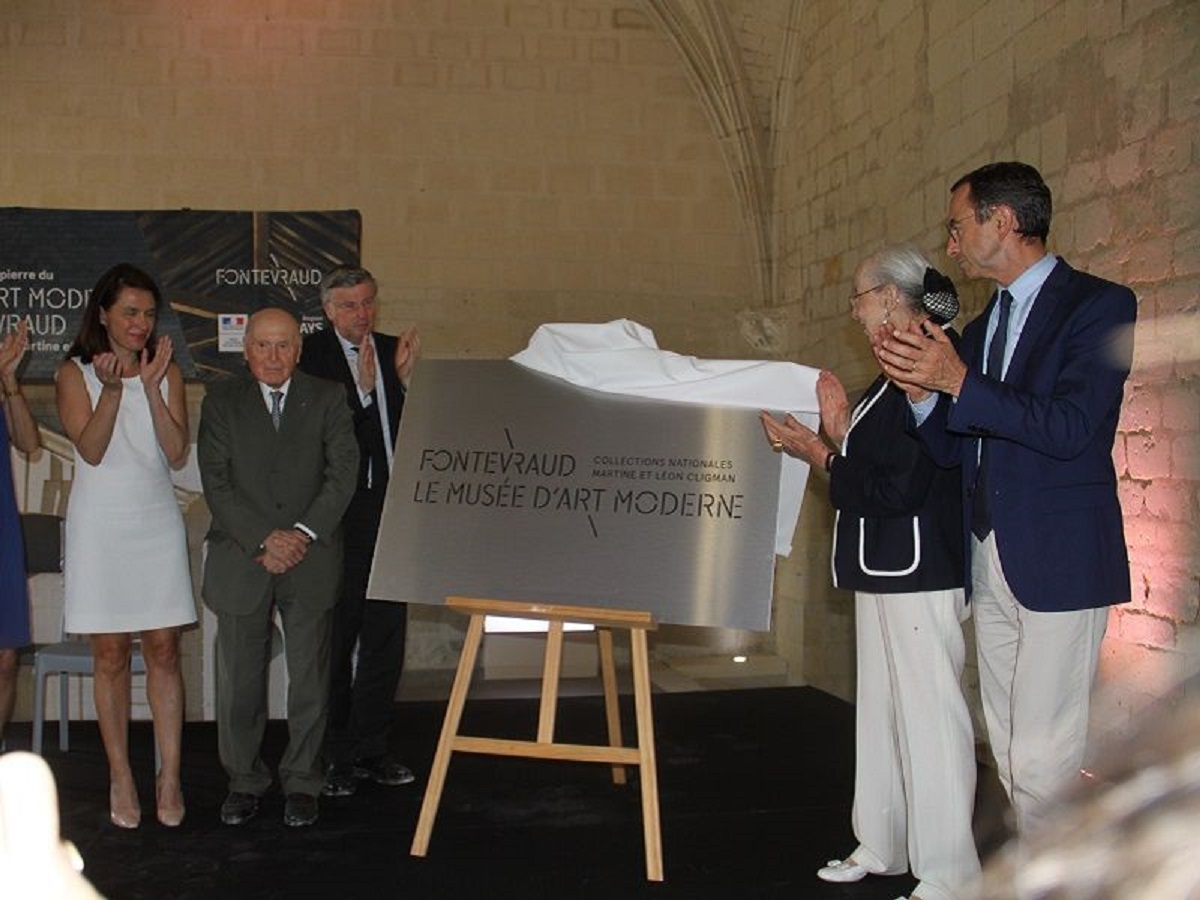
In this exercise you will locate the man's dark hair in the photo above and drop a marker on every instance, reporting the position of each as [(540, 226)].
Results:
[(1016, 185)]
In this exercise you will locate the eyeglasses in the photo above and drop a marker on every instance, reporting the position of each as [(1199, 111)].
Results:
[(870, 290), (953, 226)]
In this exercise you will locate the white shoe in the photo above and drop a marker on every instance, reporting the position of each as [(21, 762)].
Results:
[(842, 871)]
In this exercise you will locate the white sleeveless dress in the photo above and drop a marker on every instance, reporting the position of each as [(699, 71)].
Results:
[(125, 550)]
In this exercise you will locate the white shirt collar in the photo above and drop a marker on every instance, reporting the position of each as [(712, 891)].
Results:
[(1027, 285), (348, 348), (266, 390)]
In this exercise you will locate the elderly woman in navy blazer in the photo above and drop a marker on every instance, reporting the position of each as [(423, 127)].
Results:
[(898, 546)]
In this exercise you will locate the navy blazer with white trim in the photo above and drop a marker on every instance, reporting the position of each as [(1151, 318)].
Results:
[(898, 513)]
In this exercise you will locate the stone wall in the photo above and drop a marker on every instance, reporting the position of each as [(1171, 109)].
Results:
[(885, 106), (524, 161), (514, 162)]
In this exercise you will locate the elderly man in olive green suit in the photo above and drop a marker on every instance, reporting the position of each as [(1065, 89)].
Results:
[(279, 463)]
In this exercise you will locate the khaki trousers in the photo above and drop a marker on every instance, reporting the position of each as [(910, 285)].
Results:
[(1035, 677)]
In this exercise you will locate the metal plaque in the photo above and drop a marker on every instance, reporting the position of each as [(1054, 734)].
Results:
[(513, 485)]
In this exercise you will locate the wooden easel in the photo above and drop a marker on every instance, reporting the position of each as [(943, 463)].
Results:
[(545, 747)]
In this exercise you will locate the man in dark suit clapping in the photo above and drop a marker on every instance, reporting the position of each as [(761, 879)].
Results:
[(278, 462), (374, 370), (1029, 406)]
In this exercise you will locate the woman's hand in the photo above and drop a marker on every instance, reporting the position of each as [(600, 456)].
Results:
[(793, 437), (22, 429), (12, 351), (154, 370), (834, 406), (169, 415), (108, 369)]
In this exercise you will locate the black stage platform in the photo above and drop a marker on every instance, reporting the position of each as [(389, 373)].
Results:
[(755, 790)]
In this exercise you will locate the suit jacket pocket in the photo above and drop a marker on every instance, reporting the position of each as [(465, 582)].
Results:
[(889, 547)]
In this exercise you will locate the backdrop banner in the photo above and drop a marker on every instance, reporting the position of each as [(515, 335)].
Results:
[(214, 268), (511, 484)]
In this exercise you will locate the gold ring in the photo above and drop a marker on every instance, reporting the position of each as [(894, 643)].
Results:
[(777, 445)]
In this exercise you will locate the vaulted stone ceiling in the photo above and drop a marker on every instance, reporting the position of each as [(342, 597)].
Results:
[(738, 56)]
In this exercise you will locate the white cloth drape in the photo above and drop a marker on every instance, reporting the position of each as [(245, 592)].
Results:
[(622, 357)]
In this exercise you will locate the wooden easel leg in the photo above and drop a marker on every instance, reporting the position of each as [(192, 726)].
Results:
[(441, 759), (612, 710), (551, 667), (649, 771), (545, 747)]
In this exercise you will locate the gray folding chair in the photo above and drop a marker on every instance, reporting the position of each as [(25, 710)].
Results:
[(69, 655)]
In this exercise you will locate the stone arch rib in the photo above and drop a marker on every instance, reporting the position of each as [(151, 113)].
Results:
[(700, 31)]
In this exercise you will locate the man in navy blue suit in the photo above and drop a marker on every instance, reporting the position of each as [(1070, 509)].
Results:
[(368, 635), (1029, 406)]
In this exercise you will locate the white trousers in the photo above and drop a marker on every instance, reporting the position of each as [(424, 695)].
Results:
[(914, 778), (1035, 677)]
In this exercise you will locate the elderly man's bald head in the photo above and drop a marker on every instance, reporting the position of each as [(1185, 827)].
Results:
[(272, 346)]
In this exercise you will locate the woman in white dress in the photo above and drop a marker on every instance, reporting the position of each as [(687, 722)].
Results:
[(122, 404)]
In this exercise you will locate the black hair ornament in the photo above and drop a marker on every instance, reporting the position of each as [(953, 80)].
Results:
[(939, 299)]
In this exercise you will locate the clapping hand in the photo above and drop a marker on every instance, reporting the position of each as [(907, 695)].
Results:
[(793, 437), (12, 350), (108, 369), (408, 348), (834, 406), (154, 370), (366, 364), (920, 360)]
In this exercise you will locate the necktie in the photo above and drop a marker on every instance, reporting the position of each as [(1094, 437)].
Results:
[(995, 358), (276, 408), (981, 513), (354, 359)]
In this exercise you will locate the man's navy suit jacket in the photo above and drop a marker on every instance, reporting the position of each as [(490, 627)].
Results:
[(1051, 425)]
